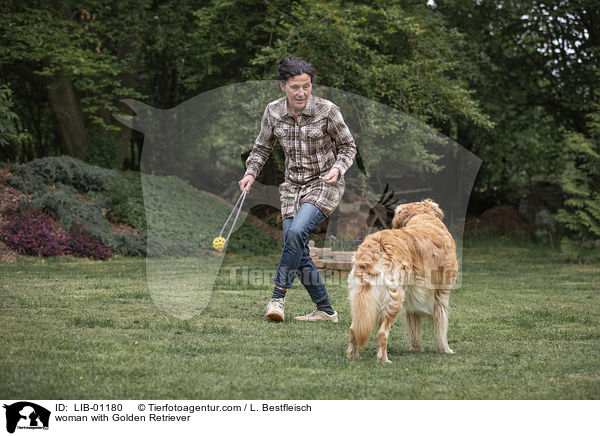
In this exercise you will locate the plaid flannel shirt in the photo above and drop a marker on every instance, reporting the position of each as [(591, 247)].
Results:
[(315, 142)]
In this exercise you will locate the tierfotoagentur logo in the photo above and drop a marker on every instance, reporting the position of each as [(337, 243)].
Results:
[(262, 278), (26, 415)]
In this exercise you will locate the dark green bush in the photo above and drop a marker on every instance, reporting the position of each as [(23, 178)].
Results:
[(27, 183), (39, 174), (580, 181), (125, 200), (128, 244), (64, 205)]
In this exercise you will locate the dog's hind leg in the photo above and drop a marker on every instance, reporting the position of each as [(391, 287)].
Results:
[(352, 346), (413, 330), (382, 337), (440, 320)]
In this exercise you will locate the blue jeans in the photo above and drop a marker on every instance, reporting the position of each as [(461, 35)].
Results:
[(295, 257)]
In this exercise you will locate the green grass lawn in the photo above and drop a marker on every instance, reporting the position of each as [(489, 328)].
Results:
[(524, 325)]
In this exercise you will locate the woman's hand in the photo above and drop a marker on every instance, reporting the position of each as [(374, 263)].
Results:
[(246, 182), (331, 176)]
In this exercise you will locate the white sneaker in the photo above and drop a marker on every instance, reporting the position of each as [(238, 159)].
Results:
[(275, 309), (318, 315)]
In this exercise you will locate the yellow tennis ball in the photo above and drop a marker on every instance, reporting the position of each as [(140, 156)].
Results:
[(219, 243)]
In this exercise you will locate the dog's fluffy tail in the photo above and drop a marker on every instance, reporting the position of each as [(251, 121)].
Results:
[(363, 298), (364, 313)]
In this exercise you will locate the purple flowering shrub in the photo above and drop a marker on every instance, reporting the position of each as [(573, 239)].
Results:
[(33, 232), (83, 244)]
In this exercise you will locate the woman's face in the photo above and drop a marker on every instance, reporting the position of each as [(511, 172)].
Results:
[(297, 90)]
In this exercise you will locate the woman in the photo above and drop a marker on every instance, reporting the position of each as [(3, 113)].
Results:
[(319, 149)]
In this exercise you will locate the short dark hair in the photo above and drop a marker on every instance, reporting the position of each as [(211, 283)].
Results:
[(293, 66)]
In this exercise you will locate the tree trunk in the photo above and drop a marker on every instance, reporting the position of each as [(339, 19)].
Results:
[(128, 80), (69, 116), (123, 136)]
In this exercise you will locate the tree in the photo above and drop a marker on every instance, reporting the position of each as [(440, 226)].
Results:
[(9, 122), (531, 64), (59, 49), (395, 53), (581, 181), (402, 57)]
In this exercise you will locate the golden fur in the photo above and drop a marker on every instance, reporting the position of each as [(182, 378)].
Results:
[(411, 266)]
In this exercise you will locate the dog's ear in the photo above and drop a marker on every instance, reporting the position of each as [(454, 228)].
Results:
[(434, 207), (400, 215)]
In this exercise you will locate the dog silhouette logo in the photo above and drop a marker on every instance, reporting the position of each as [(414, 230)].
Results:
[(26, 415)]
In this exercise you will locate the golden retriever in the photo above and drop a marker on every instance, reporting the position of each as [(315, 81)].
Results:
[(411, 266)]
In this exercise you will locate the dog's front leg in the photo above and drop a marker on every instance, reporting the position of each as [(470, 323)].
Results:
[(413, 329)]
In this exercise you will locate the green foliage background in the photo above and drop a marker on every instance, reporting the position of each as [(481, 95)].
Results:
[(514, 82)]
